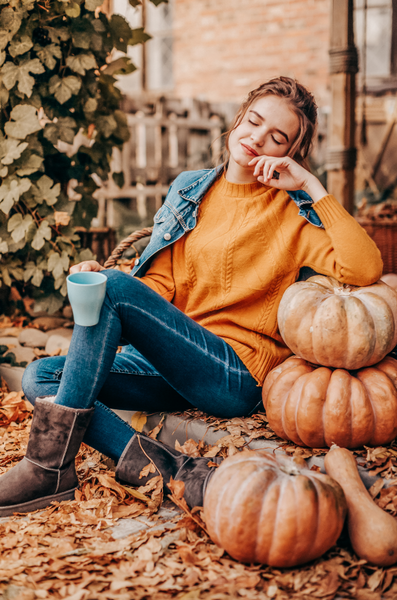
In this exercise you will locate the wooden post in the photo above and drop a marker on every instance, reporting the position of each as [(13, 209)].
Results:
[(143, 49), (341, 158)]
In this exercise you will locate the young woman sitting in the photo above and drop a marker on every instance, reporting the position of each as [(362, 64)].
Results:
[(199, 312)]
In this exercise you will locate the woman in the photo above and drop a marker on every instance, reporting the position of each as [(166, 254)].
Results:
[(200, 315)]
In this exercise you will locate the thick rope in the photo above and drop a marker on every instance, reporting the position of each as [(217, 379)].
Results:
[(125, 244)]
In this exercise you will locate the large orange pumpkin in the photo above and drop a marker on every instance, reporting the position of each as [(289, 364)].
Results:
[(337, 325), (317, 406), (271, 509)]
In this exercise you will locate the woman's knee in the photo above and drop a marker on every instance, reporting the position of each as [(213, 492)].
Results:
[(117, 282), (42, 377)]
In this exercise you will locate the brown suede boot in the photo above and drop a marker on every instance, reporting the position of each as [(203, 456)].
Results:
[(47, 472), (194, 472)]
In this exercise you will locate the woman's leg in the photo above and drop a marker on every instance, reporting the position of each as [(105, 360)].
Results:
[(132, 384), (47, 472), (196, 363)]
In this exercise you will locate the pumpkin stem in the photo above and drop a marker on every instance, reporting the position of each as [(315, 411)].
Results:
[(345, 289)]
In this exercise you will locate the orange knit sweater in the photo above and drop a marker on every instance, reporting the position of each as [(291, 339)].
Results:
[(230, 272)]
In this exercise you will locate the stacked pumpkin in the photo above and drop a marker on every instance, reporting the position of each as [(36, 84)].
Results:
[(338, 389)]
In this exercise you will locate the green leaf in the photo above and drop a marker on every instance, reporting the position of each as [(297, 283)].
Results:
[(17, 47), (50, 303), (32, 164), (25, 121), (10, 150), (10, 21), (73, 10), (138, 37), (91, 105), (43, 233), (98, 26), (58, 34), (64, 129), (82, 62), (58, 263), (120, 66), (107, 125), (3, 246), (123, 132), (118, 178), (97, 42), (43, 191), (60, 282), (63, 89), (85, 254), (12, 73), (4, 95), (33, 272), (121, 32), (6, 276), (19, 226), (81, 34), (10, 192), (49, 54), (93, 4)]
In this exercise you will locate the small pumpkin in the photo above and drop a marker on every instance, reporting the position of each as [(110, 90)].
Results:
[(318, 406), (272, 509), (338, 325), (372, 531)]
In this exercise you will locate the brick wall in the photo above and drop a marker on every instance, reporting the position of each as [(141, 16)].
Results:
[(224, 48)]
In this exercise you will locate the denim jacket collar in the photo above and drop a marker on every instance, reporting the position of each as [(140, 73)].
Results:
[(197, 190)]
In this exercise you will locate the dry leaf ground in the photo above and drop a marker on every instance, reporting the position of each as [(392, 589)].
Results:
[(68, 552)]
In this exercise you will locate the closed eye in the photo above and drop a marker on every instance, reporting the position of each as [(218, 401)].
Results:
[(253, 123), (276, 142)]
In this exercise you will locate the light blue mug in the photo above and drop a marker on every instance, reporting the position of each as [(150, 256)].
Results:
[(86, 291)]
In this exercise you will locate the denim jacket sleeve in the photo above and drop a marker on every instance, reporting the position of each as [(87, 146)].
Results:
[(304, 202)]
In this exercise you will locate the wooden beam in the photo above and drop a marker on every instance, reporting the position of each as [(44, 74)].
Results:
[(341, 158)]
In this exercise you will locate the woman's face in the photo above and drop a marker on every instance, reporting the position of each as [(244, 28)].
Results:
[(269, 127)]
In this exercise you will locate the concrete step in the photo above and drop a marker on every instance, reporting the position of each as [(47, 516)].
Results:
[(180, 428), (12, 376)]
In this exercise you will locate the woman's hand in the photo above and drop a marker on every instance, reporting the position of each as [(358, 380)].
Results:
[(292, 176), (87, 265)]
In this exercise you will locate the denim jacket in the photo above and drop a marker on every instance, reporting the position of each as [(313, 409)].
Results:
[(178, 215)]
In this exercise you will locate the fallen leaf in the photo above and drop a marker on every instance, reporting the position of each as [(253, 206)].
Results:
[(150, 468), (190, 447), (376, 487), (156, 430), (138, 421)]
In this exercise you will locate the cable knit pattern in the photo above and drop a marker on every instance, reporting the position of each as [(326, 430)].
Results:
[(230, 272)]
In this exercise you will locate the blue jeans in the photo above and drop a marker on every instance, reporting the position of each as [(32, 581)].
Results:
[(172, 363)]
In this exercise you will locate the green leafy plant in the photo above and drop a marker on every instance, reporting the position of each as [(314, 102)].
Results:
[(57, 79)]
